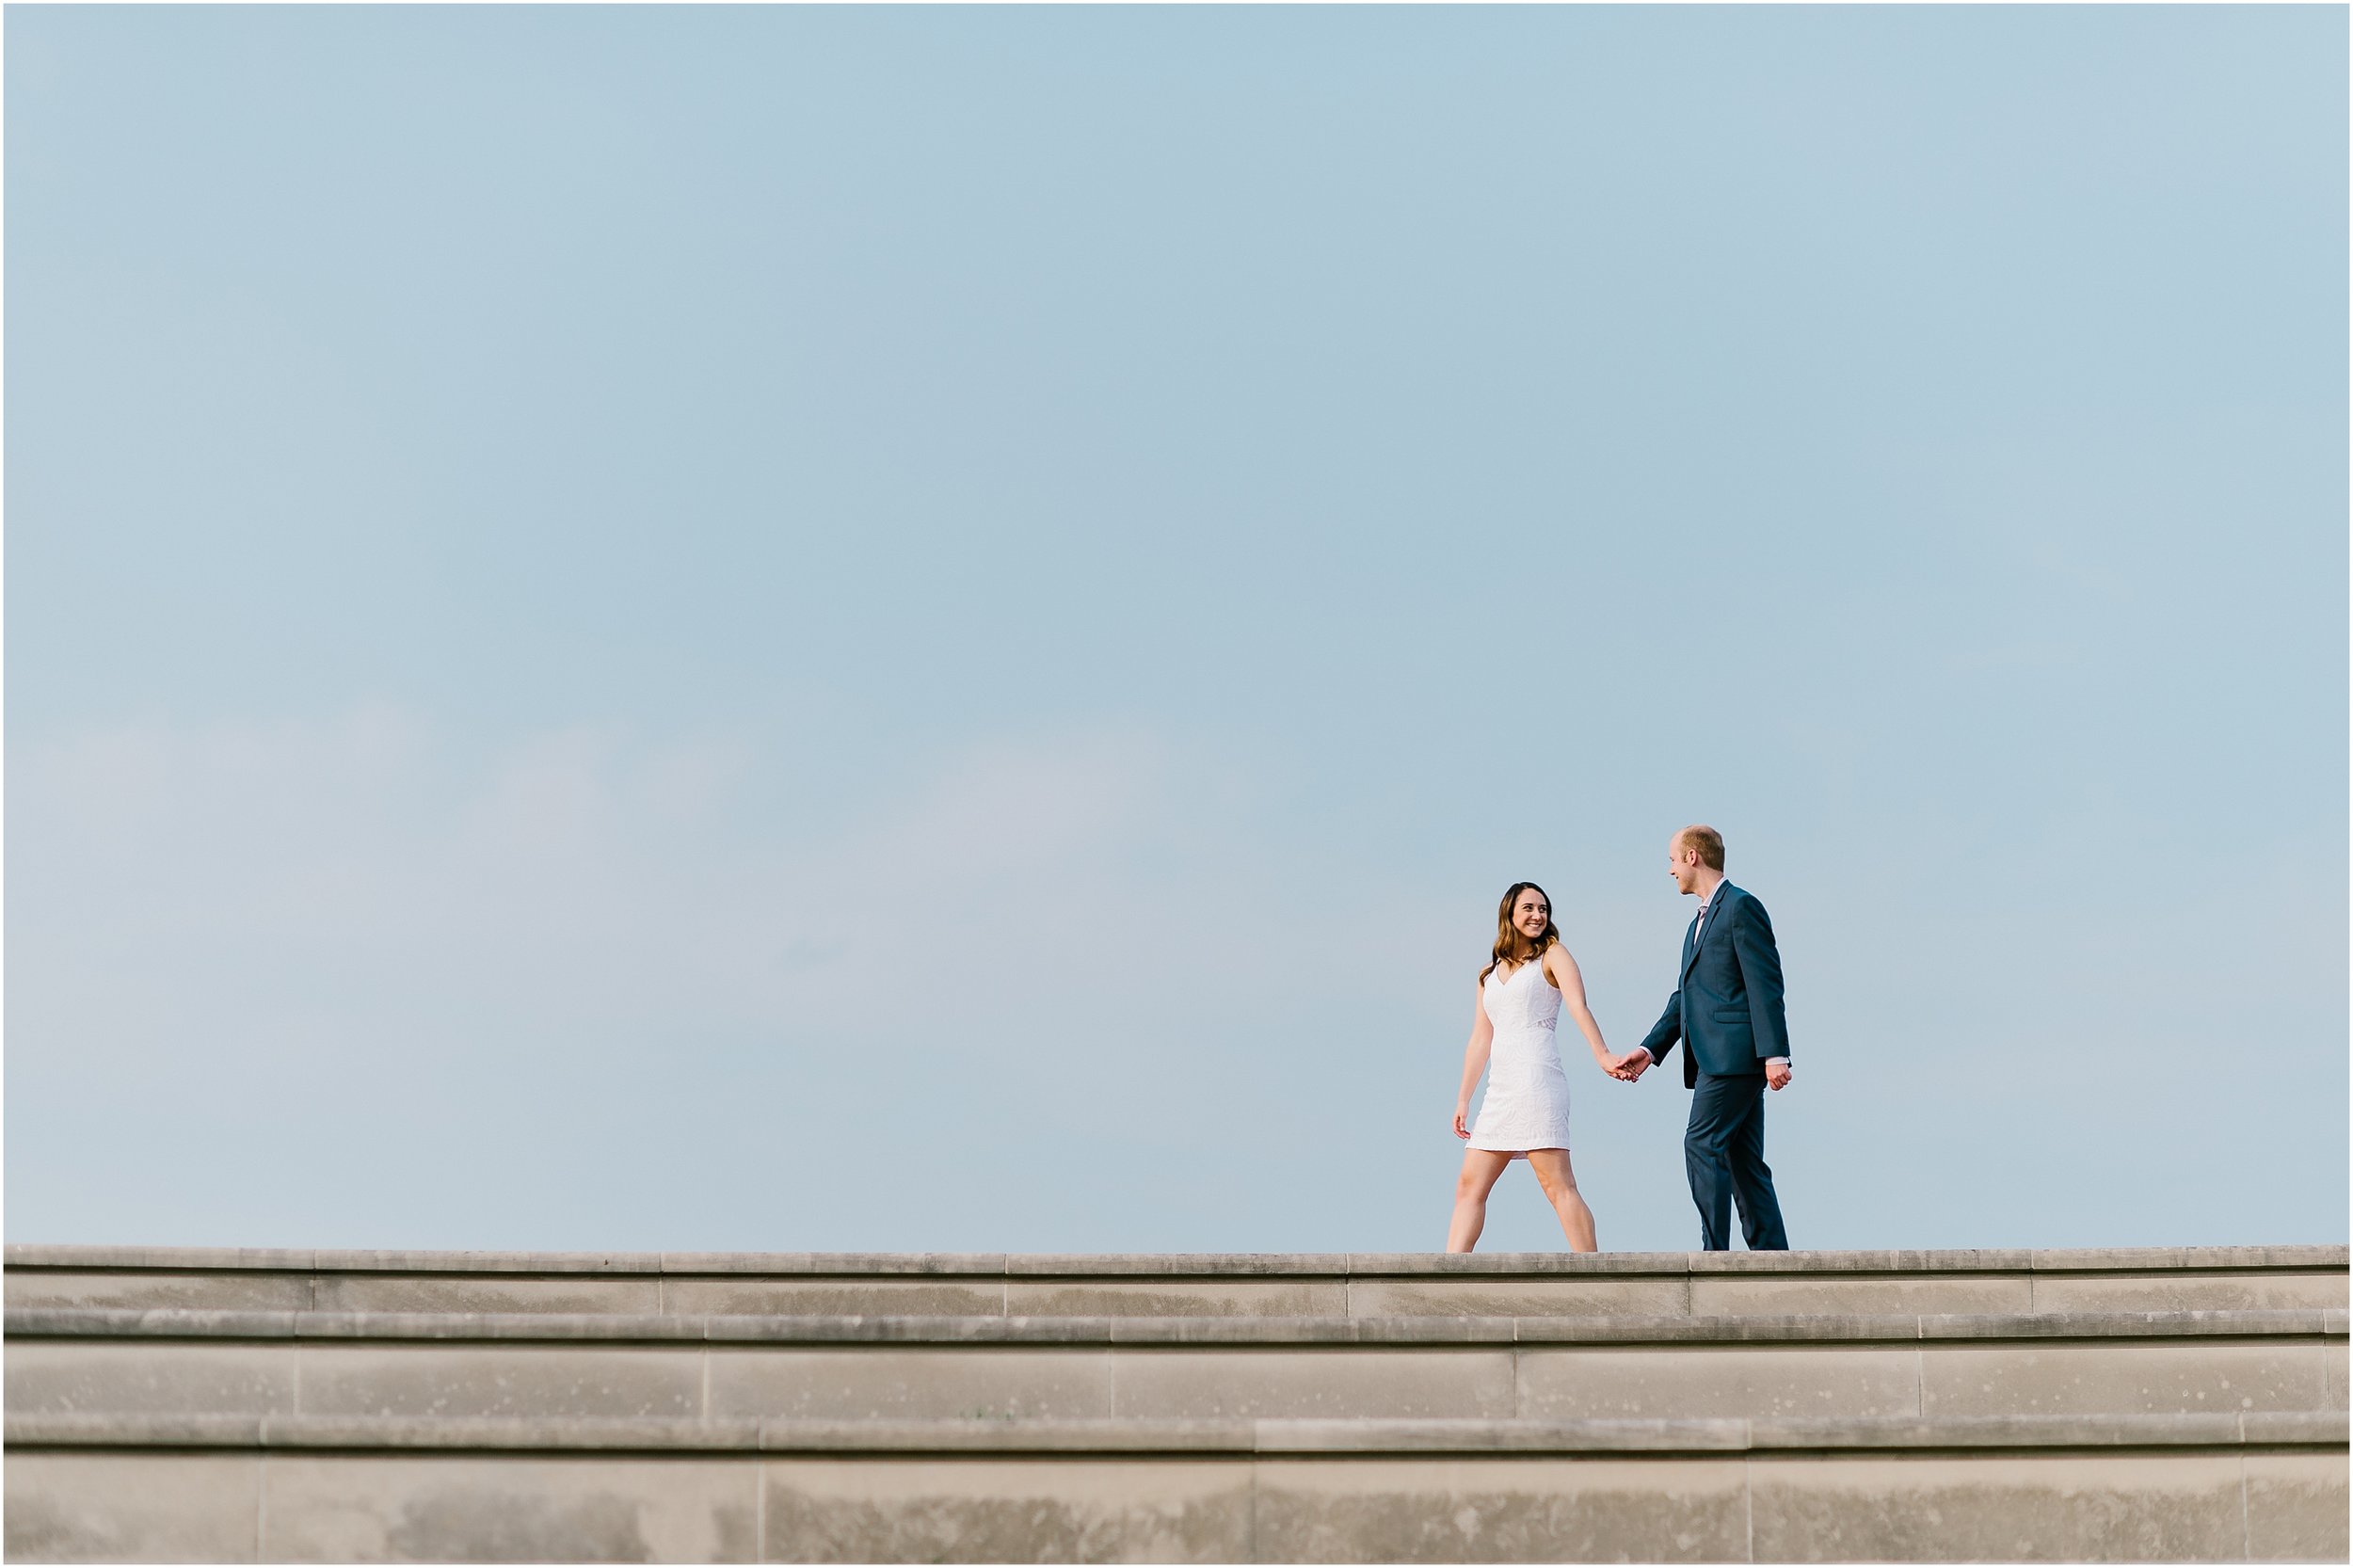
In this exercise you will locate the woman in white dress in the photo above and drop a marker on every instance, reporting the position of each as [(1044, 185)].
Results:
[(1526, 1113)]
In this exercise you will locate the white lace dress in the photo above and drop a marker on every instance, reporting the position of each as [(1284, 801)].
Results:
[(1527, 1093)]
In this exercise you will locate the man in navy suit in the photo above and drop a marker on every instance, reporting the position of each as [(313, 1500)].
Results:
[(1727, 1007)]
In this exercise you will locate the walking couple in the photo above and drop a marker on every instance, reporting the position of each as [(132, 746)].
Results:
[(1726, 1006)]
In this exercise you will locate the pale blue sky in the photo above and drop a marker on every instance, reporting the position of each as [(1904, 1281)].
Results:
[(939, 629)]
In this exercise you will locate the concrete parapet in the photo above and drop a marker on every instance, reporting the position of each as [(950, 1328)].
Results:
[(2173, 1404)]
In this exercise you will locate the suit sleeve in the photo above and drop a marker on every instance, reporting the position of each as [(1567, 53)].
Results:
[(1666, 1032), (1760, 971)]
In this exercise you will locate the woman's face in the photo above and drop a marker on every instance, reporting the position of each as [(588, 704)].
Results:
[(1530, 913)]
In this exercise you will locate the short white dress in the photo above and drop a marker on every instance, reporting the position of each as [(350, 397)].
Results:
[(1527, 1093)]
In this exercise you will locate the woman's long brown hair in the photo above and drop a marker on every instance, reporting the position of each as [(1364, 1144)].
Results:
[(1514, 944)]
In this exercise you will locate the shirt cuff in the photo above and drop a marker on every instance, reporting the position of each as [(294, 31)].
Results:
[(1777, 1062)]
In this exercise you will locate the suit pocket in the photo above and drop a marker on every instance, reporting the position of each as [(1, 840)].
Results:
[(1730, 1014)]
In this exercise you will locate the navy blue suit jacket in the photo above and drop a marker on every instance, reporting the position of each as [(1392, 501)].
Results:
[(1727, 1002)]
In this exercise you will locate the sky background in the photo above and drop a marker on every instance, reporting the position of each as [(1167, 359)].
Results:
[(901, 628)]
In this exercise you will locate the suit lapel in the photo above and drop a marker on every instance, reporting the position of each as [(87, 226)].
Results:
[(1716, 907)]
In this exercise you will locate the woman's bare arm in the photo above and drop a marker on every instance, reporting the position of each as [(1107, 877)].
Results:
[(1562, 972), (1483, 1039)]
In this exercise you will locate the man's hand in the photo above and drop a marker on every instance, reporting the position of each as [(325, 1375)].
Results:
[(1777, 1076), (1635, 1062)]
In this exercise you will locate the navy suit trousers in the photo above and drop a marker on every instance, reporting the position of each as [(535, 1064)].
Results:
[(1723, 1152)]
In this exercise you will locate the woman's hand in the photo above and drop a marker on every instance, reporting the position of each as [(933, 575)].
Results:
[(1462, 1127)]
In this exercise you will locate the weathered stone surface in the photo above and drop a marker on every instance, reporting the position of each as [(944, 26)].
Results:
[(54, 1323), (1622, 1381), (611, 1327), (221, 1379), (838, 1263), (364, 1261), (1251, 1295), (499, 1380), (1007, 1510), (2155, 1291), (2066, 1379), (1456, 1265), (2257, 1431), (892, 1382), (1502, 1510), (1337, 1382), (47, 1256), (874, 1294), (463, 1509), (1566, 1296), (2296, 1507), (488, 1292), (131, 1507), (1224, 1265), (253, 1292), (1848, 1294), (2180, 1507)]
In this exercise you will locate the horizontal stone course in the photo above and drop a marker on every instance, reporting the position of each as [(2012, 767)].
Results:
[(1092, 1265), (110, 1323), (2253, 1430), (2187, 1504)]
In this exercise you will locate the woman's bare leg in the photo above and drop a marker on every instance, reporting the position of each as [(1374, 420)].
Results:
[(1480, 1169), (1559, 1184)]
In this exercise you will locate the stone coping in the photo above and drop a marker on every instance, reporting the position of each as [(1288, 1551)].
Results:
[(64, 1322), (1135, 1436), (1169, 1265)]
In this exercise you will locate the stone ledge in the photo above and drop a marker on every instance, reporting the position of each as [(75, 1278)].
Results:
[(1168, 1265), (576, 1327), (1125, 1435)]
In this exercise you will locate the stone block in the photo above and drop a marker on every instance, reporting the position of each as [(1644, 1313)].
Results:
[(1568, 1295), (488, 1292), (252, 1293), (879, 1295), (1007, 1510), (498, 1379), (1725, 1294), (2121, 1508), (43, 1256), (1246, 1296), (131, 1507), (846, 1264), (369, 1261), (2083, 1379), (468, 1509), (165, 1378), (869, 1383), (1162, 1265), (2187, 1292), (1337, 1380), (1611, 1382), (2296, 1507), (1531, 1510)]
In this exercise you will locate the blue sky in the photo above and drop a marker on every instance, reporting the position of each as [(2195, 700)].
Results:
[(939, 629)]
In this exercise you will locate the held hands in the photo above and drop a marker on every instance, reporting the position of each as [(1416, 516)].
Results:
[(1627, 1069)]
